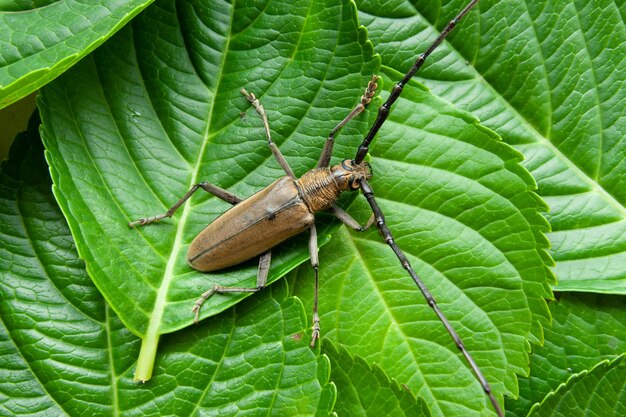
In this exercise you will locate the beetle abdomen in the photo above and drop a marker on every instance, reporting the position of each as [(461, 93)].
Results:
[(252, 227)]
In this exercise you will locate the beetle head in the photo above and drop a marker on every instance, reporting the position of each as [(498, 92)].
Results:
[(348, 174)]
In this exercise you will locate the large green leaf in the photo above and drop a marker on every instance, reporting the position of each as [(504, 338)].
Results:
[(64, 352), (42, 39), (548, 77), (158, 108), (460, 207)]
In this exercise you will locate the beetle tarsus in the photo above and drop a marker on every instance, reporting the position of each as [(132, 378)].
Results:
[(147, 220), (198, 304), (316, 329), (139, 222)]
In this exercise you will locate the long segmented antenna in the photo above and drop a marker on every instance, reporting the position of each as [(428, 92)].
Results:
[(388, 236), (383, 112)]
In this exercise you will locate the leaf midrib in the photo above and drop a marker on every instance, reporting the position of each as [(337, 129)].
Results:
[(168, 276)]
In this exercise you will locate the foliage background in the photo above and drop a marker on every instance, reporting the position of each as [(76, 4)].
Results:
[(547, 77)]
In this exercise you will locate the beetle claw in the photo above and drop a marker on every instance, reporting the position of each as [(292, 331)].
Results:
[(196, 318), (314, 337), (140, 222), (316, 330)]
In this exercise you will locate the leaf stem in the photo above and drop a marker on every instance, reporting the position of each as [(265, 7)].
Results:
[(147, 355)]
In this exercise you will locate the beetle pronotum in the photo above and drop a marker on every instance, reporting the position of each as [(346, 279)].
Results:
[(253, 226)]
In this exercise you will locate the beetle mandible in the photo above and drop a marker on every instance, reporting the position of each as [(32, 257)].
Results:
[(253, 226)]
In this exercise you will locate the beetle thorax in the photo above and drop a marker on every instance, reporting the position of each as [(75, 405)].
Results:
[(321, 187)]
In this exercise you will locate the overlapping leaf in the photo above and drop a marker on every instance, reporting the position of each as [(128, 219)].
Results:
[(598, 391), (586, 329), (64, 352), (548, 77), (40, 40), (365, 390)]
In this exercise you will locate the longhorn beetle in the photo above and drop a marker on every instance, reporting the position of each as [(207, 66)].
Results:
[(252, 227)]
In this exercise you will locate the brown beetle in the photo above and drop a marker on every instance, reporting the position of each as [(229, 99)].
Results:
[(287, 207)]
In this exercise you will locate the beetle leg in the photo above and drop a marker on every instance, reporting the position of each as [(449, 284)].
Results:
[(366, 98), (264, 269), (209, 188), (261, 280), (313, 250), (275, 151), (349, 221)]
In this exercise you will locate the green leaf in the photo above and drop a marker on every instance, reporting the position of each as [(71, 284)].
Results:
[(64, 352), (586, 328), (40, 41), (158, 108), (461, 208), (548, 77), (594, 392), (365, 390), (131, 128)]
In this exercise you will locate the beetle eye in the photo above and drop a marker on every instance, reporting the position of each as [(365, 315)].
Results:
[(353, 183), (347, 164)]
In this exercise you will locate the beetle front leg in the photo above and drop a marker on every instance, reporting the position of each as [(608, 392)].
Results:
[(366, 98), (208, 187), (349, 221), (275, 151), (261, 281)]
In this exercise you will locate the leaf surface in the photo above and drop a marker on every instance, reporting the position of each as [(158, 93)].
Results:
[(158, 108), (549, 78), (41, 39)]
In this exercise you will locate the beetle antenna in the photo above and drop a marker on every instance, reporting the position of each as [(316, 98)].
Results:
[(383, 111)]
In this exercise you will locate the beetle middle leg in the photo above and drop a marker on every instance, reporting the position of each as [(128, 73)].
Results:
[(208, 187), (313, 250), (349, 221)]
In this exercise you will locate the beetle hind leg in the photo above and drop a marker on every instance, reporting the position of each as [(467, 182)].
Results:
[(261, 279)]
